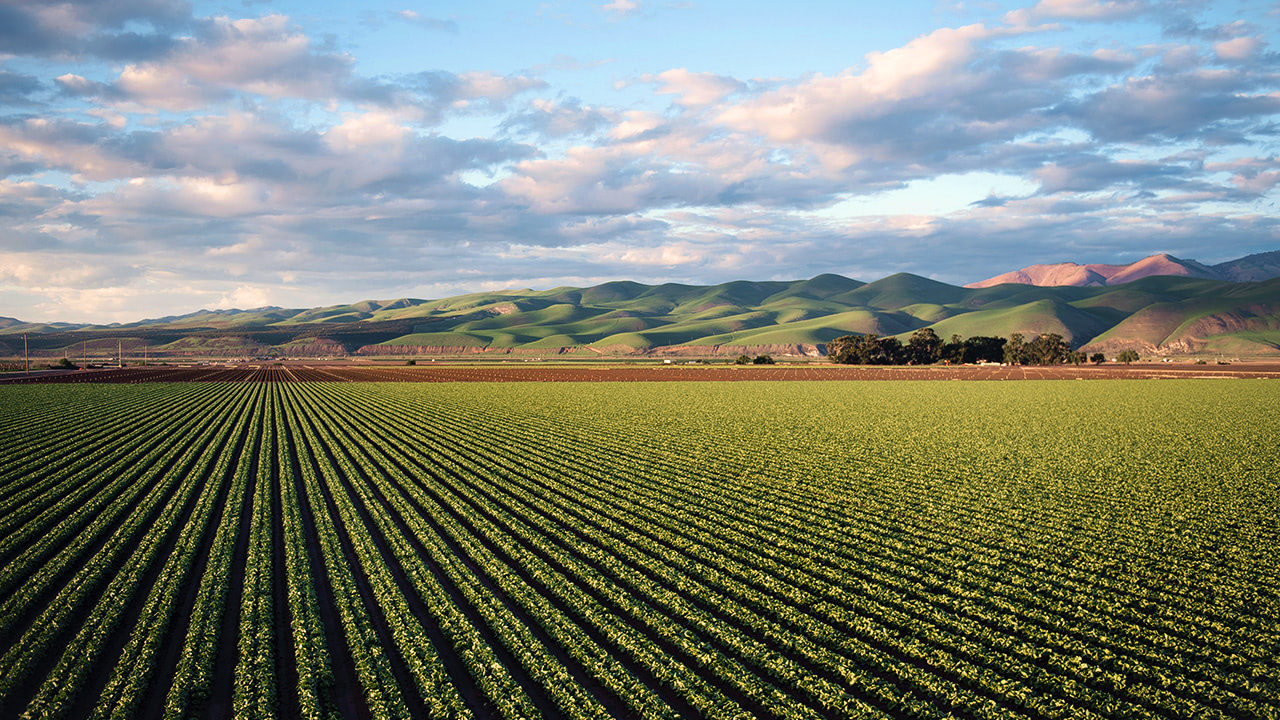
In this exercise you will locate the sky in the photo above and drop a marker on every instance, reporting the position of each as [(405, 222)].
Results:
[(163, 156)]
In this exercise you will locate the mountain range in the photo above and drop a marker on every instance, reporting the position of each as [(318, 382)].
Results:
[(1164, 314), (1254, 268)]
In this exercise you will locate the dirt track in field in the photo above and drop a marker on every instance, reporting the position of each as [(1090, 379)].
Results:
[(521, 372)]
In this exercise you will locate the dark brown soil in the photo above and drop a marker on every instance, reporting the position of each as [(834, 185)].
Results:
[(527, 372)]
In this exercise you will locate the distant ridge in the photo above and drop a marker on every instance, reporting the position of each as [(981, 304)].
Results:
[(1253, 268), (1172, 310), (1069, 274)]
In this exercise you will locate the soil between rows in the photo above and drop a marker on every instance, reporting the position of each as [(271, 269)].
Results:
[(529, 372)]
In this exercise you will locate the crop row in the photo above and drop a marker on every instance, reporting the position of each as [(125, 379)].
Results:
[(325, 550)]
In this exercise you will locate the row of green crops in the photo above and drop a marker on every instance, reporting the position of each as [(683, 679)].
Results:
[(776, 550)]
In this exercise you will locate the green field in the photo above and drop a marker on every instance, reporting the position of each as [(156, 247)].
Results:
[(775, 550)]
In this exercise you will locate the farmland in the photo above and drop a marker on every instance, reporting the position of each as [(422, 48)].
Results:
[(647, 372), (586, 550)]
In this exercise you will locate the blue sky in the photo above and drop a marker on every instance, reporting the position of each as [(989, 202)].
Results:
[(159, 156)]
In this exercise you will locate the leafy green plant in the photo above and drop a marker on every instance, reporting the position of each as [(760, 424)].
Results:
[(656, 550)]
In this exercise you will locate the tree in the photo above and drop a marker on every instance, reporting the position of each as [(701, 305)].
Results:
[(1014, 350), (762, 360), (1046, 349), (742, 360), (852, 349), (1075, 357), (865, 349), (1097, 358), (406, 362), (888, 351), (840, 350), (869, 349), (981, 348), (952, 351), (924, 347), (1128, 356)]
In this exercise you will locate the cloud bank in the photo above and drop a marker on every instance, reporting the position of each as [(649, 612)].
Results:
[(155, 160)]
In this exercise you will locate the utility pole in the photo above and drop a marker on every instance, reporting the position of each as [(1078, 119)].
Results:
[(119, 354), (84, 351), (26, 359)]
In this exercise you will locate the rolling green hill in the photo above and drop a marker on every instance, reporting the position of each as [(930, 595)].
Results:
[(1166, 315)]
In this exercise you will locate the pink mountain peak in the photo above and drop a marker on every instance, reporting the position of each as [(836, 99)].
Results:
[(1069, 274)]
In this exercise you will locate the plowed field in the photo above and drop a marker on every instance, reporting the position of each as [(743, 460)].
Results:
[(530, 372)]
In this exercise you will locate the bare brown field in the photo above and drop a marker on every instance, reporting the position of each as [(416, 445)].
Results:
[(445, 372)]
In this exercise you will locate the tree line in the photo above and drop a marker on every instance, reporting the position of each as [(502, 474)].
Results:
[(924, 347)]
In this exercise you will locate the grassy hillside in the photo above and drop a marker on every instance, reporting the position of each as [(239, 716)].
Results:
[(1242, 318), (1156, 314), (1039, 317)]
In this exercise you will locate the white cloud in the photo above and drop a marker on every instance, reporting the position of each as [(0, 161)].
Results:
[(694, 89), (76, 84), (933, 68), (376, 131), (621, 8), (1241, 48), (1253, 176), (1088, 10), (263, 158), (243, 297), (265, 56), (415, 18), (72, 147), (491, 86), (559, 119)]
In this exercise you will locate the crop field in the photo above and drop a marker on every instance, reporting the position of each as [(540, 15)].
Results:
[(652, 550)]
